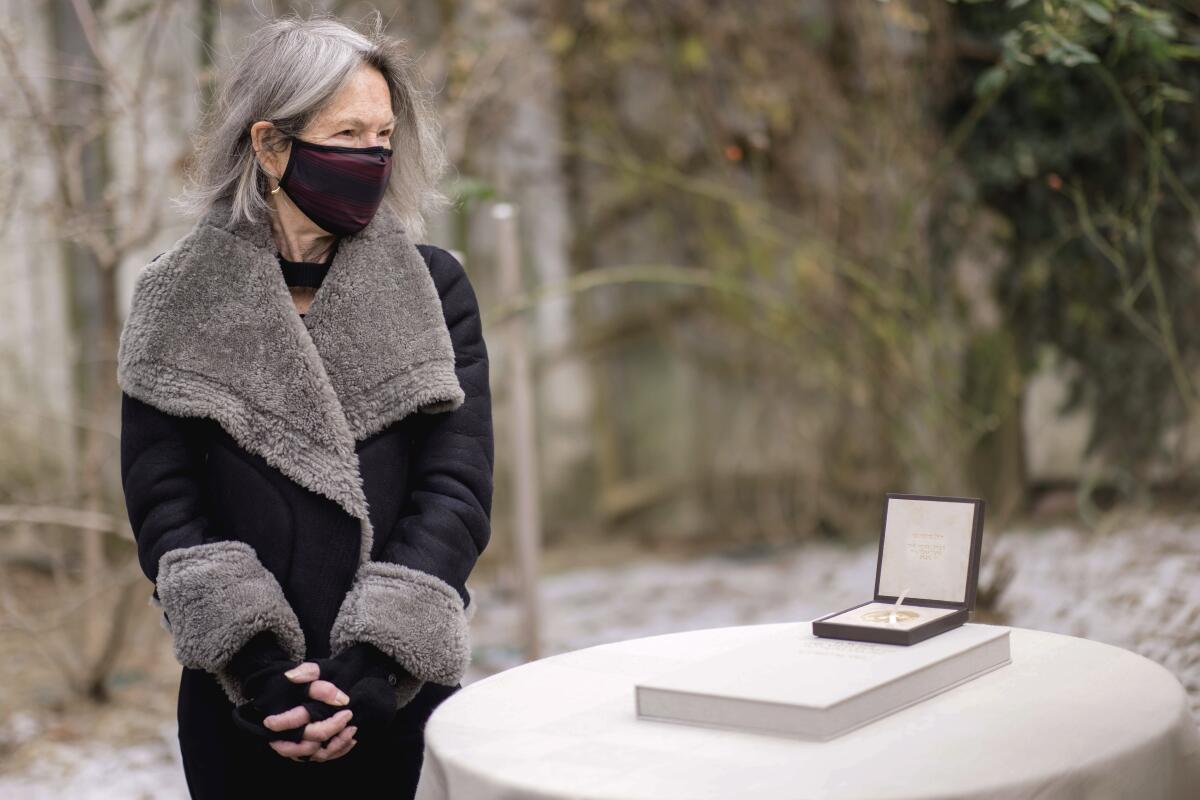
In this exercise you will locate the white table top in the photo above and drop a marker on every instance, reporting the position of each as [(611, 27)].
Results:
[(1069, 718)]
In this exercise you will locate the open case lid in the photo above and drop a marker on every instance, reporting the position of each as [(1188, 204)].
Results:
[(930, 546)]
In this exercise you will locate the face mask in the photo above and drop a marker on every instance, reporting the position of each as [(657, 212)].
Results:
[(338, 188)]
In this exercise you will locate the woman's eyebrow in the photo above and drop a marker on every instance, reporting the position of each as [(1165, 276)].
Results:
[(359, 123)]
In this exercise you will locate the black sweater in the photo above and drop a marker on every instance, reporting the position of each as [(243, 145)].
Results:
[(306, 273)]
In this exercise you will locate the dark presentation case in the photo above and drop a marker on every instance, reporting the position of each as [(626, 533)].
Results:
[(898, 570)]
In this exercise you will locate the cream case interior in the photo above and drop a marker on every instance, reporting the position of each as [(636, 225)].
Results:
[(878, 615), (926, 550)]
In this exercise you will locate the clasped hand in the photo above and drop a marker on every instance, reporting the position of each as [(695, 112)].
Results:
[(315, 723)]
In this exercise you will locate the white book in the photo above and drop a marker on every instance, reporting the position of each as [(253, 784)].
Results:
[(792, 683)]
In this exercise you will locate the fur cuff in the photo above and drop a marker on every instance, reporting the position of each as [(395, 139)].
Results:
[(414, 617), (215, 597)]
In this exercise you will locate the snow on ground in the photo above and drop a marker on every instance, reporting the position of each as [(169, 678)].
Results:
[(588, 606), (49, 768), (1137, 588)]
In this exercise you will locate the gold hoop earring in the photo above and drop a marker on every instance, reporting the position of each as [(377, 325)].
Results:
[(277, 182)]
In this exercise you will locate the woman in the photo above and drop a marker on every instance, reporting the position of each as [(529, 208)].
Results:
[(309, 473)]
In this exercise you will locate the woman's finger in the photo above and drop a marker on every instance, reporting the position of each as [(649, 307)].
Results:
[(292, 718), (349, 747), (328, 692), (338, 746), (328, 728), (304, 673), (295, 749)]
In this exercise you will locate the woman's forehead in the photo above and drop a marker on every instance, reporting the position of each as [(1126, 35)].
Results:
[(364, 98)]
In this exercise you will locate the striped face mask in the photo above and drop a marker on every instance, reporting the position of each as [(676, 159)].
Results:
[(338, 188)]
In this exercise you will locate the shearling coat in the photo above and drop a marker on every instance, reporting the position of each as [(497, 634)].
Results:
[(327, 478)]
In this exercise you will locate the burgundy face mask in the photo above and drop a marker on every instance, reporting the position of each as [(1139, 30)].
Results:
[(338, 188)]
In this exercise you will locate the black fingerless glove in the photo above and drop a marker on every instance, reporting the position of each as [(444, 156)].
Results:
[(259, 667), (377, 685)]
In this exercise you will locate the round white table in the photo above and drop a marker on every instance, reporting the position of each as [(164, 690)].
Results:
[(1068, 718)]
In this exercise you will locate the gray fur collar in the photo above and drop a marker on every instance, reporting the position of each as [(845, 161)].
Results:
[(213, 332)]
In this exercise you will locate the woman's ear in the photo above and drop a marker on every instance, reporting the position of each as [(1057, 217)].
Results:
[(269, 147)]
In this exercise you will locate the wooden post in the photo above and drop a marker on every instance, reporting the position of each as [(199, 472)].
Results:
[(527, 519)]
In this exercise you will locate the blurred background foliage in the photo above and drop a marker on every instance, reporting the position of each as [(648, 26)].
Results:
[(922, 206), (1089, 152)]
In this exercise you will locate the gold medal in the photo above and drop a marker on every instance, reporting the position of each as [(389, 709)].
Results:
[(903, 615)]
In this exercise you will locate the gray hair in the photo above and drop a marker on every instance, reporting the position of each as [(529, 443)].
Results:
[(287, 73)]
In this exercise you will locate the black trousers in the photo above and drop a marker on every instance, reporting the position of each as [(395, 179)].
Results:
[(220, 761)]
